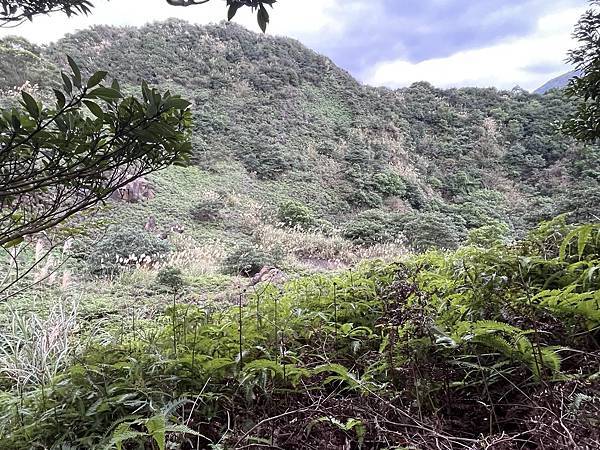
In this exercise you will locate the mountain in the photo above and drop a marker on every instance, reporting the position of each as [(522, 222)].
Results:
[(276, 122), (559, 82)]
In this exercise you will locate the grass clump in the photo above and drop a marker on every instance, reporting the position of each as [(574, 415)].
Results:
[(123, 247), (249, 259)]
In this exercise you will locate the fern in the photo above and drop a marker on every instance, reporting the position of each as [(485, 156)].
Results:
[(512, 343)]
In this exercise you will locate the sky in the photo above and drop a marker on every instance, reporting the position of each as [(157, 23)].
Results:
[(449, 43)]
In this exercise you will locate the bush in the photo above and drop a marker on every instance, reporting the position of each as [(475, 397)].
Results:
[(490, 235), (126, 247), (249, 259), (171, 278), (432, 230), (414, 195), (208, 209), (373, 227), (266, 161), (296, 214), (389, 184)]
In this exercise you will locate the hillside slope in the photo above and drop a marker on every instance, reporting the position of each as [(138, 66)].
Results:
[(277, 122)]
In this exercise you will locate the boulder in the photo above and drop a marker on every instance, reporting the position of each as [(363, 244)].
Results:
[(268, 274), (136, 191)]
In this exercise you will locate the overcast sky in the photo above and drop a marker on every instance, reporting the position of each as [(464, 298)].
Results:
[(499, 43)]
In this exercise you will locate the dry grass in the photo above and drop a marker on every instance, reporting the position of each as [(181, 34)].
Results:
[(196, 259), (316, 250)]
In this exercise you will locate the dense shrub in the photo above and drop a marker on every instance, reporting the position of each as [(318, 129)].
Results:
[(171, 278), (389, 184), (432, 230), (296, 214), (249, 259), (208, 208), (414, 195), (459, 329), (489, 235), (266, 161), (126, 247), (373, 227)]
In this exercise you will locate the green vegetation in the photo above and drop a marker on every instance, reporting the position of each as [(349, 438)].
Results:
[(428, 259), (466, 340), (297, 128)]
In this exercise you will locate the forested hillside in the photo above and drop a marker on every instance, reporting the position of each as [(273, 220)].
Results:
[(432, 163)]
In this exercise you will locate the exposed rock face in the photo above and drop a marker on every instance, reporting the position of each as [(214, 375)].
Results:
[(150, 224), (136, 191), (270, 275)]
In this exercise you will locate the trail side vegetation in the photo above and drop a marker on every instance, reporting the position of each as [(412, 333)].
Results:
[(475, 348)]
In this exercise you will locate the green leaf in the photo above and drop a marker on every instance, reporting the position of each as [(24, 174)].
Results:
[(146, 92), (60, 99), (233, 9), (122, 434), (76, 71), (67, 83), (177, 103), (105, 93), (94, 109), (30, 104), (263, 18), (96, 79), (157, 427), (16, 123), (584, 233)]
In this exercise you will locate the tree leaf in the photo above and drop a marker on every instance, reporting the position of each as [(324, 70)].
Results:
[(60, 99), (176, 103), (96, 79), (233, 9), (263, 18), (30, 104), (67, 83), (94, 109), (105, 93), (76, 71)]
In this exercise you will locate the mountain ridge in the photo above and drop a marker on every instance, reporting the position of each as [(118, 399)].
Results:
[(294, 126), (559, 82)]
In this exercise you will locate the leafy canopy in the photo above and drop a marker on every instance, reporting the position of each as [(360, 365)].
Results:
[(585, 124), (60, 159)]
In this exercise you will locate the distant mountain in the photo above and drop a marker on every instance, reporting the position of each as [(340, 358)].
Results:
[(559, 82)]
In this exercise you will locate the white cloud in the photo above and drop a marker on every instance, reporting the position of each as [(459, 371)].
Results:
[(503, 65), (304, 19)]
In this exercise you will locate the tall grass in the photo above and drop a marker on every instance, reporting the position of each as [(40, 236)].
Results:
[(33, 349)]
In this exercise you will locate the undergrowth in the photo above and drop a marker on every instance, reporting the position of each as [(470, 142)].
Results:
[(477, 348)]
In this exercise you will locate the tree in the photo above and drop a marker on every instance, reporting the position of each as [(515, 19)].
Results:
[(585, 124), (57, 161), (14, 12)]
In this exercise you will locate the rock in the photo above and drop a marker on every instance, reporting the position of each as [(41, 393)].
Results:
[(136, 191), (150, 224), (268, 274)]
